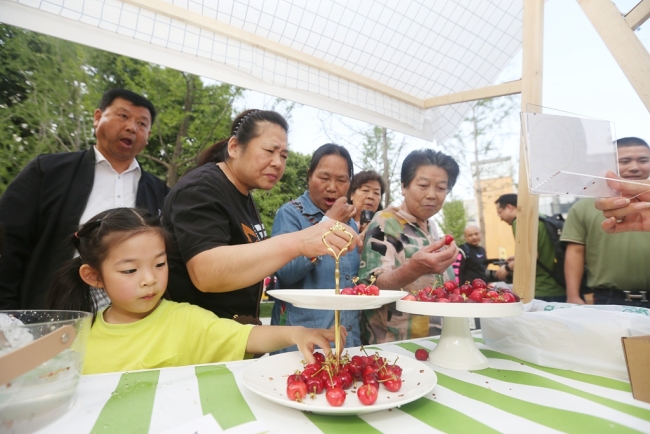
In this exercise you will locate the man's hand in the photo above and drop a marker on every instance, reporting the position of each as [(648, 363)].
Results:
[(502, 273), (341, 210), (630, 212)]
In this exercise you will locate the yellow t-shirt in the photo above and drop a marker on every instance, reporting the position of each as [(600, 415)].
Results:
[(175, 334)]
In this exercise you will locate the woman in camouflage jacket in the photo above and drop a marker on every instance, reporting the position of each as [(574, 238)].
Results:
[(402, 249)]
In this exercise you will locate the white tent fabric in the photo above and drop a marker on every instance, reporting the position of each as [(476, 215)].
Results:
[(374, 60)]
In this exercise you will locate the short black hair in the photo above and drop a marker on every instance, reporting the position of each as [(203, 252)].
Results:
[(364, 177), (631, 141), (330, 149), (507, 199), (429, 157), (134, 98)]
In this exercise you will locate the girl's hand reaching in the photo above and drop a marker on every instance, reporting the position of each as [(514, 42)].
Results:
[(307, 339), (265, 339)]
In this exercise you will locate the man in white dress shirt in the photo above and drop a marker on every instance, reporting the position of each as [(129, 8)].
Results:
[(55, 193)]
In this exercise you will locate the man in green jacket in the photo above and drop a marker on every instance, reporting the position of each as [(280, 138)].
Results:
[(546, 287)]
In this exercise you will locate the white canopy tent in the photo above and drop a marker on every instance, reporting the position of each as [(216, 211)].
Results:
[(410, 66), (384, 62)]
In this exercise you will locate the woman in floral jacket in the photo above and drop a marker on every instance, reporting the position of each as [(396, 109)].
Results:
[(402, 249)]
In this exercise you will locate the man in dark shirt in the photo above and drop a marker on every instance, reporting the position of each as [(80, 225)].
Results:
[(473, 261), (56, 193)]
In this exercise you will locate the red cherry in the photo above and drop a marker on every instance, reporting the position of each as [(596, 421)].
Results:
[(315, 386), (455, 298), (450, 285), (371, 379), (479, 283), (346, 379), (319, 357), (492, 294), (440, 292), (426, 296), (296, 377), (508, 297), (466, 289), (348, 291), (372, 290), (421, 354), (309, 372), (443, 300), (393, 385), (449, 239), (386, 374), (368, 394), (360, 289), (335, 396), (359, 360), (396, 369), (409, 297), (477, 295), (296, 390)]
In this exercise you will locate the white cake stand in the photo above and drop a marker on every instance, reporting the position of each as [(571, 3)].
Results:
[(456, 348)]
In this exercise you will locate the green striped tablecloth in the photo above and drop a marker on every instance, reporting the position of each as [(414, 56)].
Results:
[(509, 396)]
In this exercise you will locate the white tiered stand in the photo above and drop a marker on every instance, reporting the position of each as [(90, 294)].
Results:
[(456, 348)]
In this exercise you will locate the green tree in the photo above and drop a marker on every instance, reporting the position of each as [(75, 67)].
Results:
[(47, 104), (453, 219), (381, 152), (477, 142), (292, 184), (50, 88)]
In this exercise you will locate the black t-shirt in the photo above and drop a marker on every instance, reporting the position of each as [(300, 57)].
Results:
[(203, 211), (474, 264)]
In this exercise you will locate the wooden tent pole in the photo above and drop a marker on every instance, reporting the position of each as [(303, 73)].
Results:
[(625, 46), (528, 205)]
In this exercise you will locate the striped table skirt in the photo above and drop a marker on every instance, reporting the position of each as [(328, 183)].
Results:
[(510, 396)]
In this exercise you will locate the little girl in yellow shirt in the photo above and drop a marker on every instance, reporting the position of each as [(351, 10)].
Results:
[(123, 252)]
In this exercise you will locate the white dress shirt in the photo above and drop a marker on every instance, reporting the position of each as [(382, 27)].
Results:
[(111, 189)]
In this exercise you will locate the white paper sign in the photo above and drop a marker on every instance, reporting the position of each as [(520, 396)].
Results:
[(569, 155)]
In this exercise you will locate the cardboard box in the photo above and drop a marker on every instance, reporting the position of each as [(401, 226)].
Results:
[(637, 357)]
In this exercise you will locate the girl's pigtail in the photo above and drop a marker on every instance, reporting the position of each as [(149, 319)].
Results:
[(69, 291)]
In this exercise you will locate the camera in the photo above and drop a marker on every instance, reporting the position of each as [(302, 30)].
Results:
[(366, 216)]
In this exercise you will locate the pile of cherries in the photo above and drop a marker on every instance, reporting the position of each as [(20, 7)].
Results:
[(476, 292), (361, 288), (334, 377)]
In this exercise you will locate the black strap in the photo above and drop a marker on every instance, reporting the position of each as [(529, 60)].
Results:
[(544, 268)]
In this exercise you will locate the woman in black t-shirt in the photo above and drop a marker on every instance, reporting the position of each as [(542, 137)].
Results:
[(222, 252)]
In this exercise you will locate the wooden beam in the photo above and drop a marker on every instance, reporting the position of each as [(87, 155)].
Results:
[(527, 204), (625, 46), (248, 38), (503, 89), (638, 15)]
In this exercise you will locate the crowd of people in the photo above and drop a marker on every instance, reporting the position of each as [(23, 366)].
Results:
[(175, 277)]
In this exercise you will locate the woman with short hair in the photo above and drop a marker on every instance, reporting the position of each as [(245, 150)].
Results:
[(402, 249)]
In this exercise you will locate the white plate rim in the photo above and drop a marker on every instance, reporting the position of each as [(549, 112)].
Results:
[(352, 405), (326, 299), (461, 310)]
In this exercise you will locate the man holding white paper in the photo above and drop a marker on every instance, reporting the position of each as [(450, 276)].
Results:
[(616, 264)]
